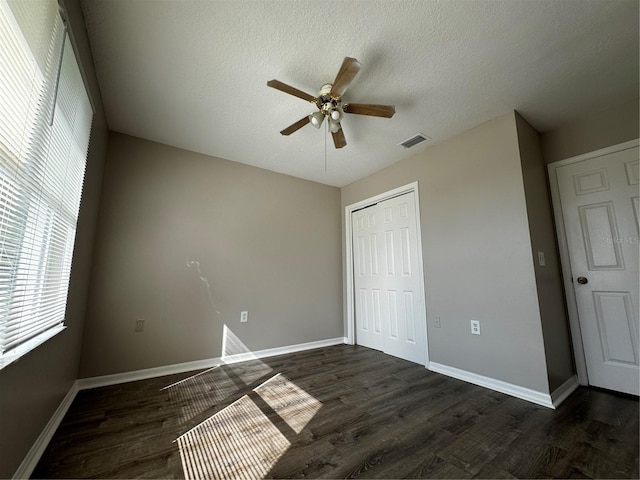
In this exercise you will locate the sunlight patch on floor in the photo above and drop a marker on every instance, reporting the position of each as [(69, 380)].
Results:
[(247, 438), (200, 392), (289, 401), (237, 442)]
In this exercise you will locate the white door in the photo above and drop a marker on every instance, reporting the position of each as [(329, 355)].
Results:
[(389, 300), (599, 200), (367, 277)]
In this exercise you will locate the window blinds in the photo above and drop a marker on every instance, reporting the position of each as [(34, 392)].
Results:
[(45, 122)]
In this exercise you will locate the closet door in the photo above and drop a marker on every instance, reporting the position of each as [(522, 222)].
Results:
[(390, 311), (367, 277)]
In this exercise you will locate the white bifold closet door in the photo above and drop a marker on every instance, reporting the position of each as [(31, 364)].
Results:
[(389, 299)]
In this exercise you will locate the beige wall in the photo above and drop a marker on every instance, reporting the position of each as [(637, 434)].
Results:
[(592, 132), (265, 242), (555, 327), (32, 388), (476, 252)]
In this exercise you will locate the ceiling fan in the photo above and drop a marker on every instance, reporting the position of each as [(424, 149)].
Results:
[(329, 103)]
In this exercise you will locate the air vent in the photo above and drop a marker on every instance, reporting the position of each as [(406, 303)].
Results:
[(415, 140)]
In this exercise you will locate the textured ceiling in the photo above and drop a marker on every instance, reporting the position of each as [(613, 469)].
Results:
[(193, 73)]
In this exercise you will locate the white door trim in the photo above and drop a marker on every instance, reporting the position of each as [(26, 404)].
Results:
[(348, 229), (572, 307)]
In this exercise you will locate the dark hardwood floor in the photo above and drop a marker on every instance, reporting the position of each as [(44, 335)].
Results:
[(337, 412)]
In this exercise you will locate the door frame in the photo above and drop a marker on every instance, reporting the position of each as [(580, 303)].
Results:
[(349, 260), (563, 246)]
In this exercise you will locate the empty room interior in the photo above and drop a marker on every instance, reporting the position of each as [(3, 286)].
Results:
[(235, 241)]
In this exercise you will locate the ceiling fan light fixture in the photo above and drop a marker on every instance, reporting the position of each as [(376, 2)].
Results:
[(334, 125), (316, 119), (336, 114)]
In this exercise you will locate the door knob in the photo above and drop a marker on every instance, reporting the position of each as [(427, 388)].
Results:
[(583, 280)]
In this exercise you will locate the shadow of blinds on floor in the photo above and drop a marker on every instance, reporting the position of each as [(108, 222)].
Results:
[(247, 438)]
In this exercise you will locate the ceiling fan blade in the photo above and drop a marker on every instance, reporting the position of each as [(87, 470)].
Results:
[(338, 138), (349, 69), (283, 87), (385, 111), (296, 126)]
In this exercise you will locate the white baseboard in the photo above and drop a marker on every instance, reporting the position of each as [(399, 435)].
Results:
[(561, 393), (517, 391), (272, 352), (117, 378), (32, 458)]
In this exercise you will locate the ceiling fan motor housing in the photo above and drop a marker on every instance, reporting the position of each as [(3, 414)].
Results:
[(326, 103), (325, 90)]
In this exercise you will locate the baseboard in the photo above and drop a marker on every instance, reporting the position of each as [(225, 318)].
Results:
[(125, 377), (517, 391), (561, 393), (32, 458), (272, 352), (117, 378)]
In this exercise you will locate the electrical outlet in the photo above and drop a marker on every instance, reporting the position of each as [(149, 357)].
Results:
[(244, 316), (475, 327), (436, 321), (139, 325)]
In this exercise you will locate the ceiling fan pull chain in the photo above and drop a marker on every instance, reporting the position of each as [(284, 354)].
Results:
[(325, 147)]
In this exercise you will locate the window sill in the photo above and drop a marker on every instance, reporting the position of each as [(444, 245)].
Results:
[(21, 350)]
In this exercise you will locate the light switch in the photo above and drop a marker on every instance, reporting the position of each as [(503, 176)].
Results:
[(541, 261)]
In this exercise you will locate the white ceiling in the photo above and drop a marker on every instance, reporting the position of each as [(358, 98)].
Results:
[(193, 73)]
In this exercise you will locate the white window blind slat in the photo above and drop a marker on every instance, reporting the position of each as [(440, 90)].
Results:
[(41, 171)]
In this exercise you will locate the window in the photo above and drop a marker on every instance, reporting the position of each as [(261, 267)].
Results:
[(45, 122)]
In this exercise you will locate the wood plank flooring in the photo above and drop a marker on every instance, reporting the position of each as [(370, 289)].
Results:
[(337, 412)]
